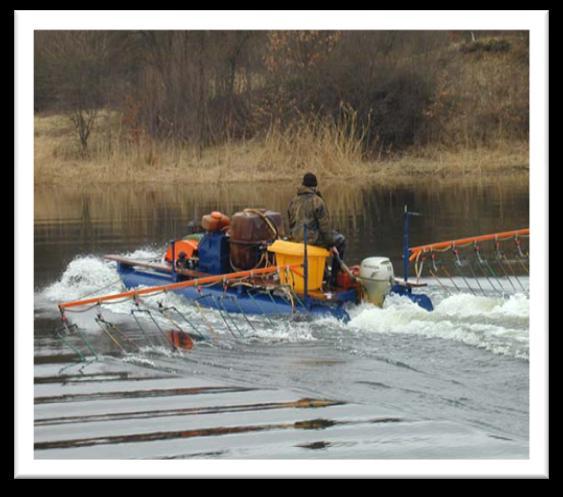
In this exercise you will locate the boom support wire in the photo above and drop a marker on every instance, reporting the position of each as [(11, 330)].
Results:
[(508, 259), (166, 326)]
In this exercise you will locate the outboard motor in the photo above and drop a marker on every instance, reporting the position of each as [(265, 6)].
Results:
[(376, 277)]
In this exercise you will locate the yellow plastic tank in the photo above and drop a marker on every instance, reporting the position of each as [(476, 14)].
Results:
[(294, 253)]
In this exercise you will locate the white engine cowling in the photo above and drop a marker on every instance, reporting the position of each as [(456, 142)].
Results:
[(376, 275)]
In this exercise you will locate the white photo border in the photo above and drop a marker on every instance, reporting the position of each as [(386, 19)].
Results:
[(25, 22)]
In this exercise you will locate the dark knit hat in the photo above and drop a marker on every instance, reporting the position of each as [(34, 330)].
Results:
[(309, 180)]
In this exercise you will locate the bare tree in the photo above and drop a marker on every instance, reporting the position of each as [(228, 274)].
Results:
[(208, 87), (79, 67)]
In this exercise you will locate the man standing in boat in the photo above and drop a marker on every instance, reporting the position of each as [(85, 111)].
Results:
[(308, 208)]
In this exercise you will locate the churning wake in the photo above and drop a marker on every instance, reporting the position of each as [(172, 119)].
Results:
[(498, 324)]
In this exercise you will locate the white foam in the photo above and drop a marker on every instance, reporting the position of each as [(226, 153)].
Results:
[(82, 275), (145, 253), (464, 305), (494, 324), (87, 275)]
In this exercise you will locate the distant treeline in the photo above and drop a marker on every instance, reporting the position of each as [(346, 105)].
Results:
[(394, 88)]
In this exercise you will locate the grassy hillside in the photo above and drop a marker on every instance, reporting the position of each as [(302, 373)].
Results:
[(456, 110), (281, 155)]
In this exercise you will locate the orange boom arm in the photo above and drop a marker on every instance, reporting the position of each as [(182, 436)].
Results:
[(175, 286), (505, 235)]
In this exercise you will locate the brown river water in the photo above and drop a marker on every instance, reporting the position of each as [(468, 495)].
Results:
[(394, 383)]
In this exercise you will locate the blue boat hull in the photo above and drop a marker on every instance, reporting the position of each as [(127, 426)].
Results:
[(241, 299)]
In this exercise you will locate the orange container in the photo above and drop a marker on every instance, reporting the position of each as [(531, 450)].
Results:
[(180, 339), (188, 247), (215, 221)]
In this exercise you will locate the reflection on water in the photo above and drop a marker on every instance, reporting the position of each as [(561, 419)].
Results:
[(69, 222)]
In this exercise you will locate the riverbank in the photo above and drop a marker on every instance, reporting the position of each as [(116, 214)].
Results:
[(278, 156)]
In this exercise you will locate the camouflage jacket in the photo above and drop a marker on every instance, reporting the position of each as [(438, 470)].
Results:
[(308, 207)]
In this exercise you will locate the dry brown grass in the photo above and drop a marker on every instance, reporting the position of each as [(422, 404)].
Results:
[(321, 147)]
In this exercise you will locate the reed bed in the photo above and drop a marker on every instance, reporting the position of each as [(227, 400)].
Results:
[(331, 150)]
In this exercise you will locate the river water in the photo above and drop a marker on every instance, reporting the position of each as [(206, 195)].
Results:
[(456, 378)]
